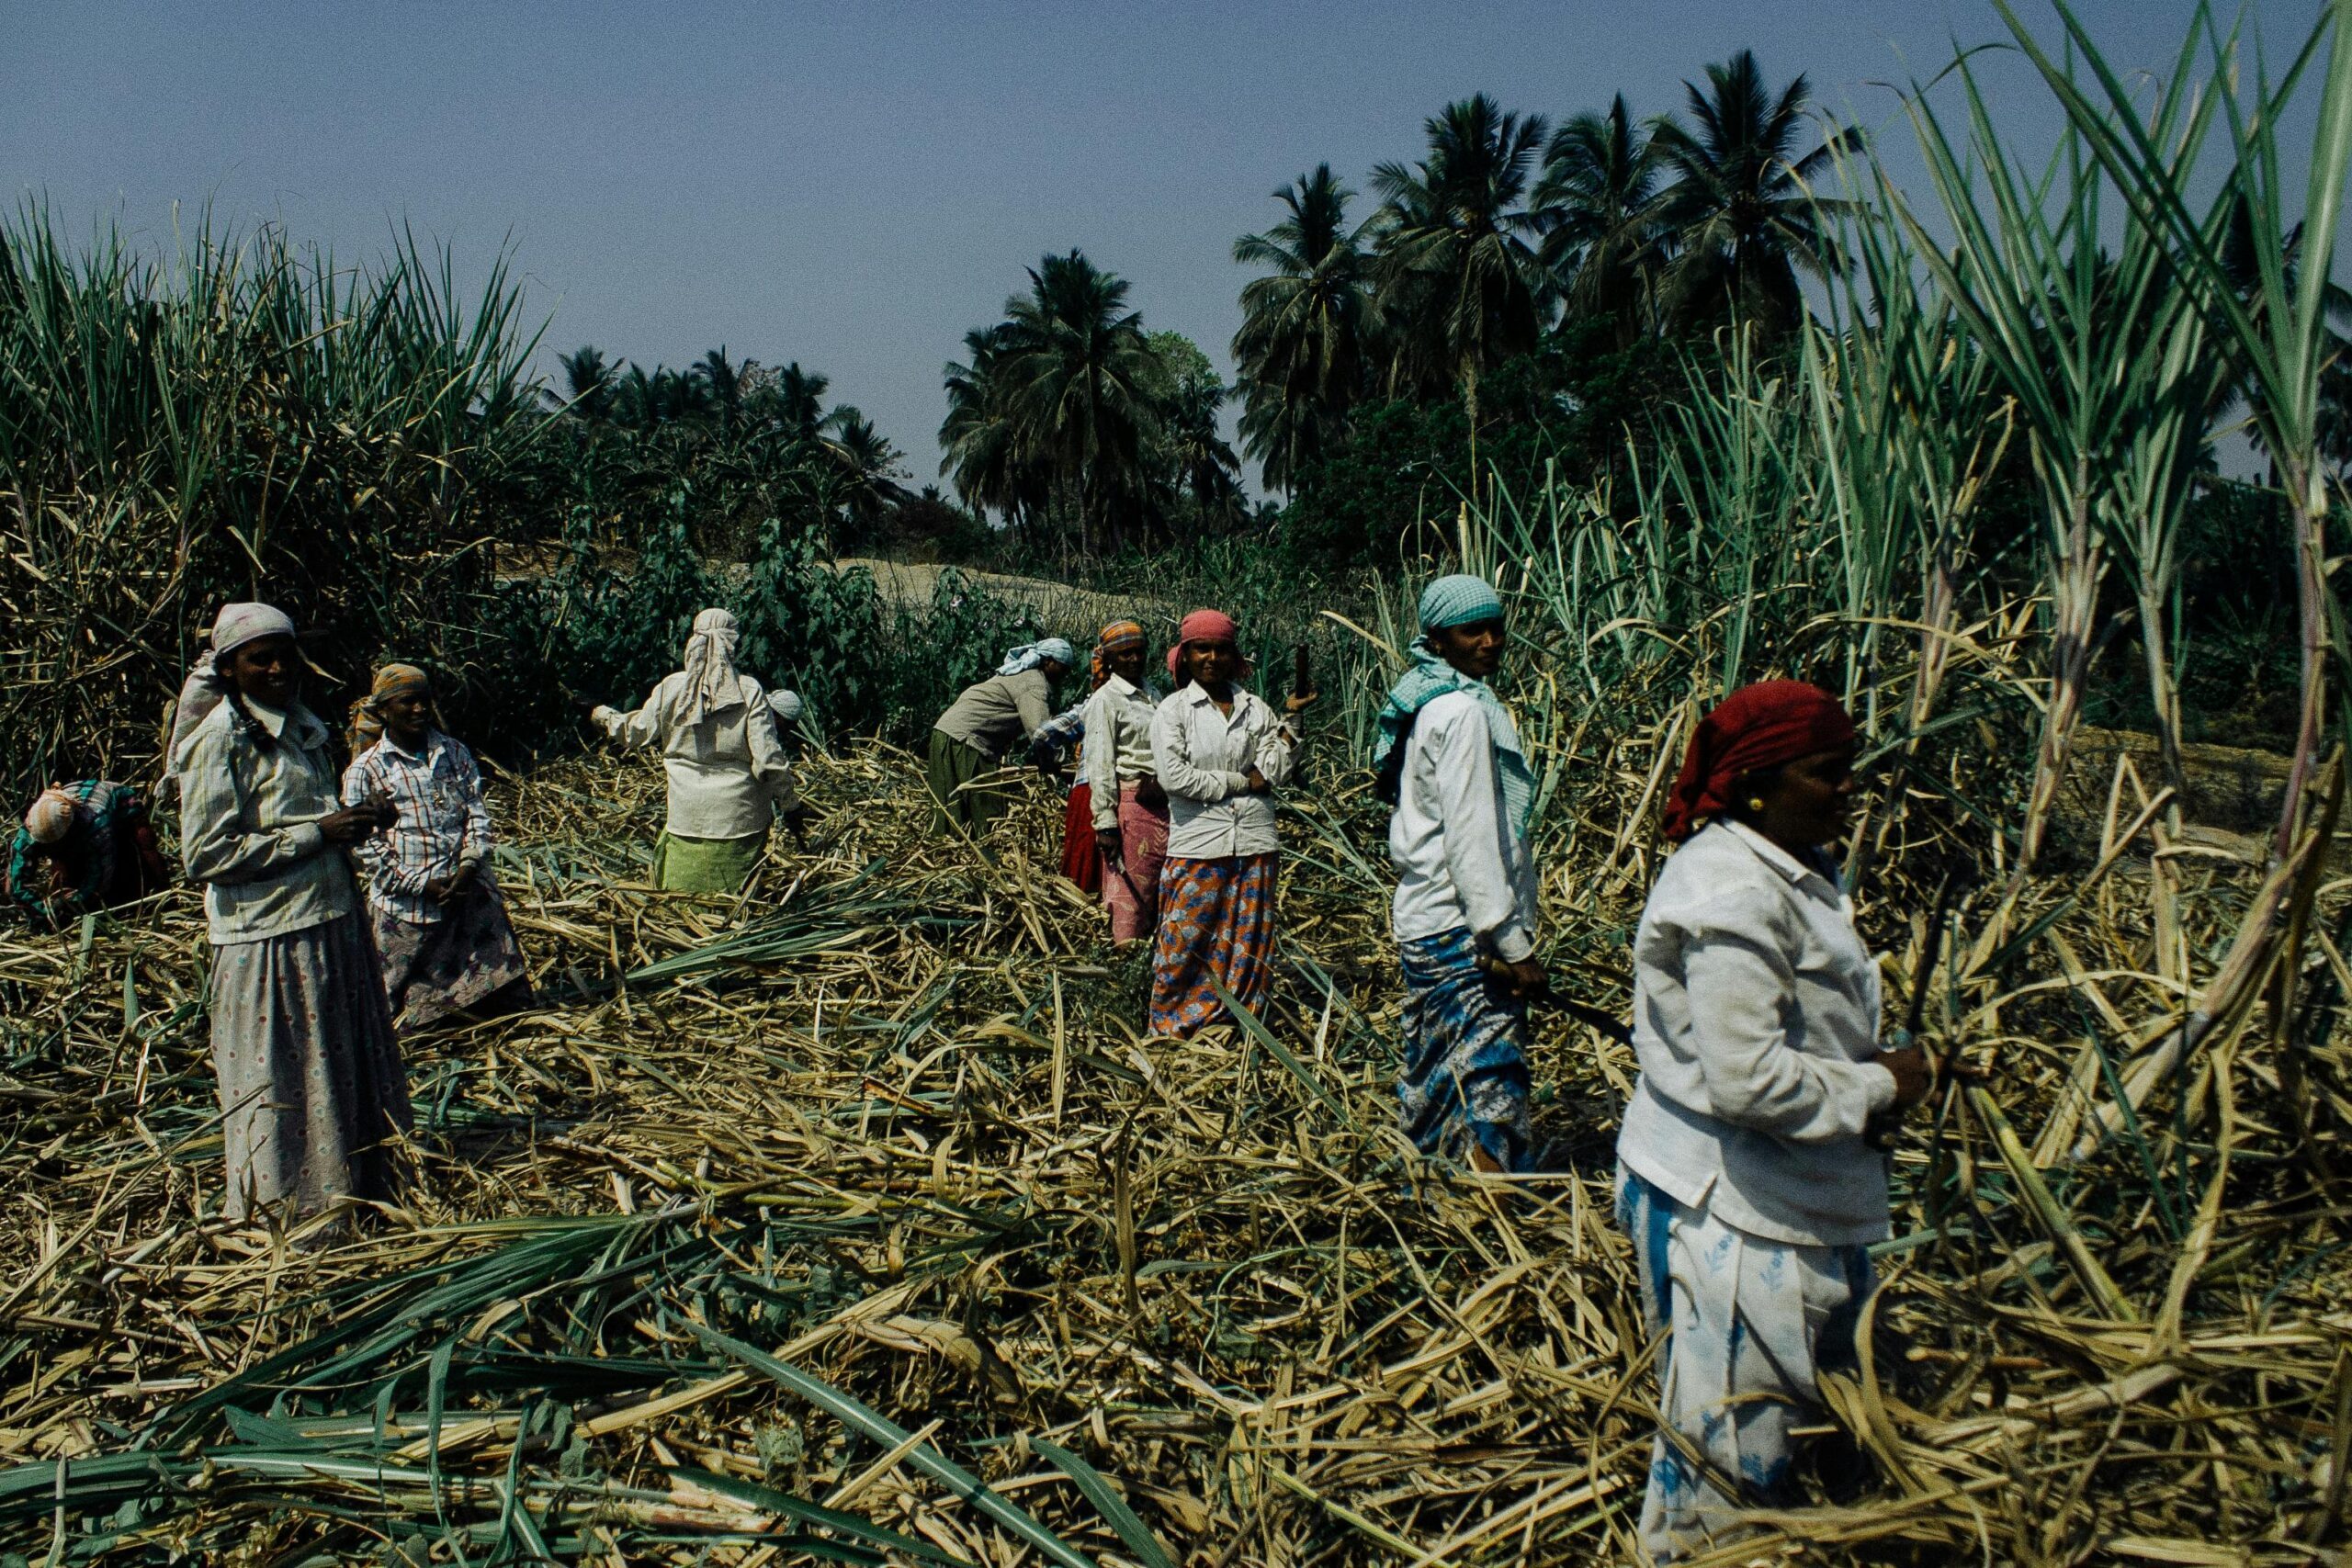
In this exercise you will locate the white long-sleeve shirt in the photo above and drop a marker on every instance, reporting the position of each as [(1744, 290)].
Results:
[(729, 775), (249, 826), (1756, 1016), (1202, 757), (1459, 863), (1118, 743)]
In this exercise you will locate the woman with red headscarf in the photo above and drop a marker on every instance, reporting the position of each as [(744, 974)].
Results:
[(1744, 1178), (1219, 752)]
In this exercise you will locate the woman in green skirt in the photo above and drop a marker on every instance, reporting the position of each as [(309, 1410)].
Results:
[(988, 720), (728, 777)]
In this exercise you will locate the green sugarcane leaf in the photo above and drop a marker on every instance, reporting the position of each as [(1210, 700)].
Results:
[(768, 1500), (1258, 1030), (889, 1434), (1114, 1508)]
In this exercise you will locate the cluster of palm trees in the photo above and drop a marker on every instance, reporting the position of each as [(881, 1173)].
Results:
[(1067, 417), (1508, 227), (745, 417)]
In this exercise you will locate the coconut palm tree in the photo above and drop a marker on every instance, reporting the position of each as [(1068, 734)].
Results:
[(1601, 248), (1074, 371), (1302, 347), (588, 383), (1458, 277), (980, 447), (1740, 217), (865, 468), (724, 381)]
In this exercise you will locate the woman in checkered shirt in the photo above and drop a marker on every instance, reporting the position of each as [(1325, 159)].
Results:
[(440, 925)]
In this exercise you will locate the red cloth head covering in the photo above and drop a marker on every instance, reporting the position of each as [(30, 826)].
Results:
[(1202, 626), (1756, 728)]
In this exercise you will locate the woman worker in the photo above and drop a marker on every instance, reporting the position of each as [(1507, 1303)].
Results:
[(986, 722), (85, 846), (1220, 752), (311, 1082), (729, 777), (1129, 809), (440, 926), (1743, 1178)]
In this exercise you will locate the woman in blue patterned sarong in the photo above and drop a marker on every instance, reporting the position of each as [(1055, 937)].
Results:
[(1448, 761)]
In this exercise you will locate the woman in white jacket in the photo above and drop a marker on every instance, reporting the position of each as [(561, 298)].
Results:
[(1744, 1181), (1220, 752)]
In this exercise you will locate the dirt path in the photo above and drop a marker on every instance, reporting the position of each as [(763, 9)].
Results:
[(1057, 604)]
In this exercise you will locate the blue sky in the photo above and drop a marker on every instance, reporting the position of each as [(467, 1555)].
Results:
[(854, 186)]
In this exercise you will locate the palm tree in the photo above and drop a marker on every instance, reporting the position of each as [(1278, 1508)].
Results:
[(725, 382), (1601, 245), (980, 446), (1301, 349), (1456, 269), (1074, 369), (800, 399), (865, 466), (1740, 216), (588, 382)]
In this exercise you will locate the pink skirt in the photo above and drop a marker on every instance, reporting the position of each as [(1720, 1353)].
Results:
[(1130, 888)]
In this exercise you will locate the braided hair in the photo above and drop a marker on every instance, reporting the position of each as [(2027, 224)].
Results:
[(240, 717)]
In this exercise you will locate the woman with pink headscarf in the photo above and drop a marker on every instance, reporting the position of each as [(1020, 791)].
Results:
[(1219, 751)]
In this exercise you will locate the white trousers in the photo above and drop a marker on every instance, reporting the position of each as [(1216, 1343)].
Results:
[(1747, 1320)]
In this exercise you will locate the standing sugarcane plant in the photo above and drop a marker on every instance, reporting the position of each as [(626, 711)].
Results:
[(2089, 346), (2276, 333)]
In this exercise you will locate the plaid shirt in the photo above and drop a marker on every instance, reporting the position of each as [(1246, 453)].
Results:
[(444, 823)]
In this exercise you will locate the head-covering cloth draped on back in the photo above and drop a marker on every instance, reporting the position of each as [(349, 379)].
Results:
[(51, 816), (1029, 654), (1756, 728), (1458, 601), (242, 622), (712, 685), (1116, 638), (1202, 626), (368, 713)]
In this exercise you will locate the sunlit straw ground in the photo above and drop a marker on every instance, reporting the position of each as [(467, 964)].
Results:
[(891, 1124)]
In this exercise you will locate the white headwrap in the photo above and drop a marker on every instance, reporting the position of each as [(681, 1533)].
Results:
[(51, 816), (1029, 654), (242, 623), (712, 685), (787, 703)]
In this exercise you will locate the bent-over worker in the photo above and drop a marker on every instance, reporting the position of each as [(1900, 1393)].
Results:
[(985, 723)]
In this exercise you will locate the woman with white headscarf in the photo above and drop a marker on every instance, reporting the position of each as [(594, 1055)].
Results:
[(728, 777), (311, 1082), (985, 721)]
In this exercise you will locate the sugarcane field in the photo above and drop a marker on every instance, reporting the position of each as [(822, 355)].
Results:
[(1659, 876)]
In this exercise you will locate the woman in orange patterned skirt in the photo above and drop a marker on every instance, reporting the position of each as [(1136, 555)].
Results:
[(1219, 751)]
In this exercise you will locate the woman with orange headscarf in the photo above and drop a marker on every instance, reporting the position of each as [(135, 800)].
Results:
[(1745, 1179), (1128, 810)]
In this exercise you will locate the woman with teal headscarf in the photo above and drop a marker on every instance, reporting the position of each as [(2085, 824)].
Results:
[(1449, 761)]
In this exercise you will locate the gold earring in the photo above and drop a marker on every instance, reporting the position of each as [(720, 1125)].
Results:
[(1755, 803)]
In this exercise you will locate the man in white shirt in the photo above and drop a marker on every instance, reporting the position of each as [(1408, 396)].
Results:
[(1449, 758)]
